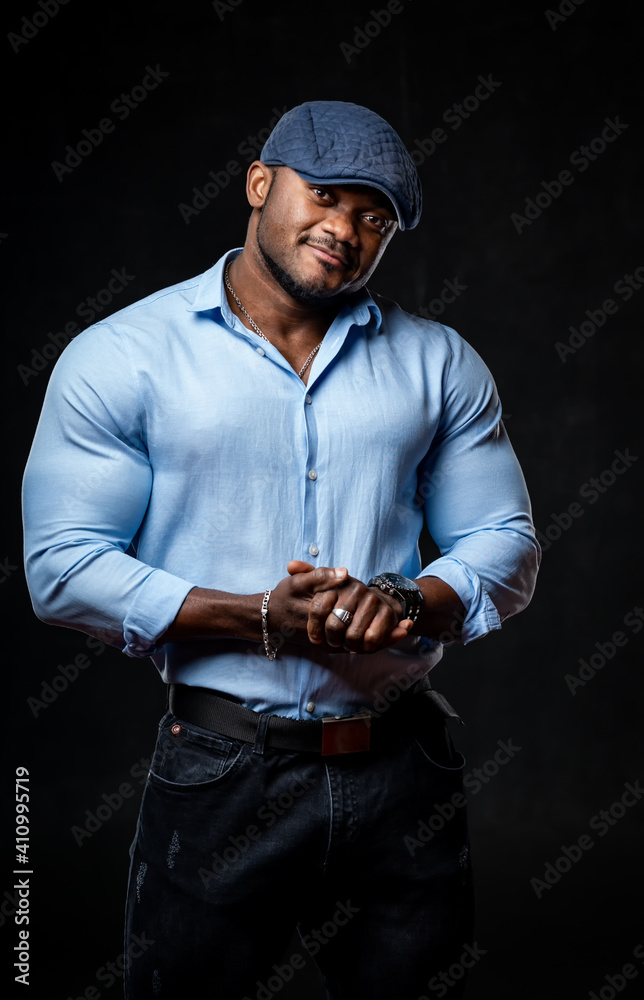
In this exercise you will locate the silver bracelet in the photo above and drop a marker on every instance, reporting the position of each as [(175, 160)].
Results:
[(270, 651)]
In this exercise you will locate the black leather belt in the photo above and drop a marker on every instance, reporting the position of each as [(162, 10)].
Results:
[(329, 736)]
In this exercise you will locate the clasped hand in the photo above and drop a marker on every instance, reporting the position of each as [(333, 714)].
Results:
[(304, 602)]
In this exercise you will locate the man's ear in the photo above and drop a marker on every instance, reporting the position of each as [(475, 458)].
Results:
[(258, 182)]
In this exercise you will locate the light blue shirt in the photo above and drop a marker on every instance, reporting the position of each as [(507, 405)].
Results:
[(177, 449)]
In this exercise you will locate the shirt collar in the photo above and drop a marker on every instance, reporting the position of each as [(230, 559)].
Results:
[(210, 296)]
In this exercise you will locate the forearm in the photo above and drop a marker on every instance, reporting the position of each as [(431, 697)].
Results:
[(208, 614), (442, 611)]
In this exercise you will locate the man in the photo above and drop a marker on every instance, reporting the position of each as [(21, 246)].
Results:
[(231, 477)]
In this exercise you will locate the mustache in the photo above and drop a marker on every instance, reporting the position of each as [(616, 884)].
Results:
[(329, 244)]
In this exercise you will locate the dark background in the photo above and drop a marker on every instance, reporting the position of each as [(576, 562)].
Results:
[(228, 70)]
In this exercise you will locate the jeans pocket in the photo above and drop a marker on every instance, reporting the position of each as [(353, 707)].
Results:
[(434, 743), (188, 757)]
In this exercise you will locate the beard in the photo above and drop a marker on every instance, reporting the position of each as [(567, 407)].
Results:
[(307, 294)]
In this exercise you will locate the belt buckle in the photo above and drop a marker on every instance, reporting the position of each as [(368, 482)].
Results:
[(346, 734)]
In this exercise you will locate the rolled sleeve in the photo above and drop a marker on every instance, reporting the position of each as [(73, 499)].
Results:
[(481, 615), (154, 608)]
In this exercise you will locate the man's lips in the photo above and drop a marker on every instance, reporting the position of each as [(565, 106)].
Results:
[(330, 256)]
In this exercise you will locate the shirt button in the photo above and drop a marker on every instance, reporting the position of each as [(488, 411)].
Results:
[(314, 550), (260, 351), (308, 400), (310, 707), (313, 474)]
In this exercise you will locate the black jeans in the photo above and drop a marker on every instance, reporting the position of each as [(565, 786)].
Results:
[(235, 847)]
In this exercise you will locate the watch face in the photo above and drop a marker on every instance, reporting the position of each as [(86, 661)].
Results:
[(407, 590)]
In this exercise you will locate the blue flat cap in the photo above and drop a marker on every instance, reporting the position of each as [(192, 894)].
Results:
[(335, 142)]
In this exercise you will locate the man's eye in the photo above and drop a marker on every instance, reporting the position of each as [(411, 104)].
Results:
[(380, 223), (320, 192)]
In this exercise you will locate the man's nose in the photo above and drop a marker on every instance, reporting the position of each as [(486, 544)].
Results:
[(342, 226)]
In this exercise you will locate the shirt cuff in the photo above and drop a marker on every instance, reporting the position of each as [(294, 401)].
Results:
[(481, 615), (155, 607)]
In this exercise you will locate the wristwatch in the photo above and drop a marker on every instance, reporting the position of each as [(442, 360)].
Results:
[(406, 591)]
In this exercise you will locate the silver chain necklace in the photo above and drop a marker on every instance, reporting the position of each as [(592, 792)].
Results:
[(257, 329)]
